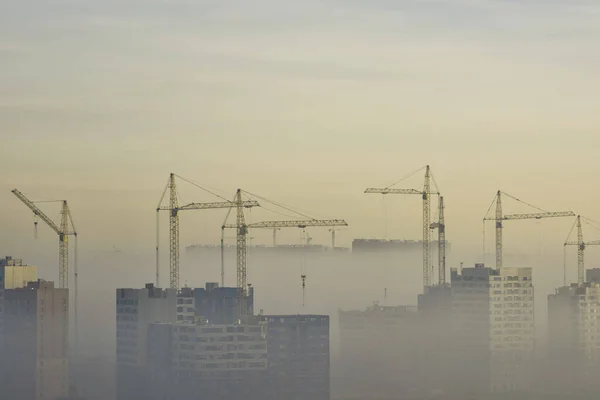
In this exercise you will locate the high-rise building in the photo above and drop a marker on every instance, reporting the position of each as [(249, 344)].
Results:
[(379, 353), (136, 309), (493, 328), (435, 365), (212, 304), (35, 342), (299, 357), (13, 274), (207, 361), (574, 336)]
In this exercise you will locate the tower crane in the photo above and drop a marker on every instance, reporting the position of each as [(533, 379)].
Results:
[(499, 217), (581, 245), (242, 231), (425, 194), (63, 232), (174, 209), (441, 227)]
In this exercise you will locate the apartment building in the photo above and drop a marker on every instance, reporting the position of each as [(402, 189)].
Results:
[(298, 353), (379, 351), (574, 336), (493, 328), (136, 309), (35, 342), (208, 361)]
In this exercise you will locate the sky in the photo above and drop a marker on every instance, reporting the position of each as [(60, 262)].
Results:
[(306, 103)]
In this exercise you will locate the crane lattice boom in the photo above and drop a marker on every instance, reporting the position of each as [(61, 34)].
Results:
[(37, 211), (538, 215), (294, 223), (392, 191), (63, 233)]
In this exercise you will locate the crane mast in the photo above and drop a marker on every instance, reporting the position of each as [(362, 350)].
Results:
[(173, 234), (241, 250), (426, 227), (581, 245), (499, 230), (441, 244), (580, 251)]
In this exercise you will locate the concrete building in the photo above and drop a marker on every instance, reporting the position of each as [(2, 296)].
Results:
[(272, 357), (593, 275), (299, 357), (574, 336), (13, 274), (211, 304), (207, 361), (35, 342), (379, 353), (493, 328), (435, 365), (136, 309)]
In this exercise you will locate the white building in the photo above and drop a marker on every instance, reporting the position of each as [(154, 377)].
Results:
[(493, 326)]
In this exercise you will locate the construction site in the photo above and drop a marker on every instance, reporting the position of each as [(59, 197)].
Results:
[(470, 330)]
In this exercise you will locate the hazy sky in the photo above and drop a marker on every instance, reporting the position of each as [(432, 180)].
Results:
[(304, 102)]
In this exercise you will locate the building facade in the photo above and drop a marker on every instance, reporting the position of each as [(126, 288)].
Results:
[(493, 327), (574, 337), (379, 353), (212, 304), (208, 361), (298, 353), (13, 274), (136, 309), (35, 348)]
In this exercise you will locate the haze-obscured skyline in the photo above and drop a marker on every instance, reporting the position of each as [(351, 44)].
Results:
[(307, 104)]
